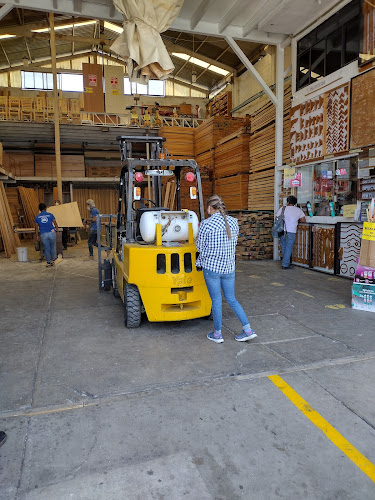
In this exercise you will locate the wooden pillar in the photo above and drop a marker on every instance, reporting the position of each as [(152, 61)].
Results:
[(56, 106)]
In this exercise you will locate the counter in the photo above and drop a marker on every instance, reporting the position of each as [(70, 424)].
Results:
[(328, 244)]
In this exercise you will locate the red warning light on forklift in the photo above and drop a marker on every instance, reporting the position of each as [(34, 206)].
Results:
[(190, 177), (139, 177)]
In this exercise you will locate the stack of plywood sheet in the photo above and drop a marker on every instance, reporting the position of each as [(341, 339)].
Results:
[(19, 164), (30, 204), (262, 154), (179, 142), (10, 240), (255, 240), (206, 162), (96, 171), (211, 131), (71, 166)]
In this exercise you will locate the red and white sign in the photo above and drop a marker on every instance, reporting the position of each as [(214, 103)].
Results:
[(93, 80), (114, 82)]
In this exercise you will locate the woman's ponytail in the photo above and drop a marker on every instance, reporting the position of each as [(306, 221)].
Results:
[(216, 202)]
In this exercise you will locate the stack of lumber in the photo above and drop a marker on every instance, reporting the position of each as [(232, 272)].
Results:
[(212, 130), (255, 240), (30, 204), (14, 205), (10, 240), (19, 164), (71, 166), (186, 202), (234, 191), (179, 142), (96, 171), (206, 162), (106, 200), (262, 154), (232, 154)]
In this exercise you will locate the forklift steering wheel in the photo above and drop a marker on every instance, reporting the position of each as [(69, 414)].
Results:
[(141, 200)]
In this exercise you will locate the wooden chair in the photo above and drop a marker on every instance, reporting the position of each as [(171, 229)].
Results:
[(3, 108), (50, 109), (27, 109), (75, 111), (63, 108), (40, 109), (14, 110)]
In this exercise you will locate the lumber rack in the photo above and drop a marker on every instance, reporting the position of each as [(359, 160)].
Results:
[(110, 241)]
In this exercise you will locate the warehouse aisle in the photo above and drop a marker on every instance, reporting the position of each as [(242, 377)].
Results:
[(93, 410)]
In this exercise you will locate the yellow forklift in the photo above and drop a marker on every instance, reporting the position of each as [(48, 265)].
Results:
[(153, 267)]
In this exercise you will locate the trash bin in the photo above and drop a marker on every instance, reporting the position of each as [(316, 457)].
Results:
[(22, 254)]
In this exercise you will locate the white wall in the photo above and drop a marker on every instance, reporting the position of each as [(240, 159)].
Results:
[(246, 86)]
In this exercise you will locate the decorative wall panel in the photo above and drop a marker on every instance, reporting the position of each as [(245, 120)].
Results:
[(350, 243), (306, 131), (337, 120)]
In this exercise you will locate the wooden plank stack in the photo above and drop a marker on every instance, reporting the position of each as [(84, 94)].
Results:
[(96, 171), (206, 162), (179, 142), (262, 154), (30, 203), (105, 199), (10, 240), (255, 240), (211, 131), (14, 204), (71, 166), (232, 154), (234, 190)]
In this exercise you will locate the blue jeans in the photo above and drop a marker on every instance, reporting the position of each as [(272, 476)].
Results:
[(49, 244), (287, 242), (93, 241), (215, 283)]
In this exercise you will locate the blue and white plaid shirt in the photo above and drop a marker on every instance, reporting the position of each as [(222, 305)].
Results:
[(216, 250)]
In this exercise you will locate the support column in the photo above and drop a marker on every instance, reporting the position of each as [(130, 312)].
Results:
[(279, 124), (56, 106)]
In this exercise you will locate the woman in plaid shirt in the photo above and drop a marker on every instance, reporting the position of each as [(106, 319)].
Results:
[(216, 244)]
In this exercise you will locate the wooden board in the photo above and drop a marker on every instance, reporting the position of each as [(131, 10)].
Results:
[(30, 204), (211, 131), (106, 200), (10, 241), (336, 126), (71, 166), (179, 141), (234, 191), (362, 110), (93, 96), (67, 215), (232, 154)]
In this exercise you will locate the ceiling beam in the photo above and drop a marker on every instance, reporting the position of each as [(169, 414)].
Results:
[(173, 47), (73, 38), (43, 61), (5, 9), (20, 30), (271, 14), (206, 69), (186, 62), (212, 29), (199, 13), (257, 16), (230, 15)]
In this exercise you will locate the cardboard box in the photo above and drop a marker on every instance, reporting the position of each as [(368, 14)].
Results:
[(363, 297), (367, 255), (365, 274)]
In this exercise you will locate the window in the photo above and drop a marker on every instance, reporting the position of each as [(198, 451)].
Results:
[(33, 80), (154, 88), (330, 46)]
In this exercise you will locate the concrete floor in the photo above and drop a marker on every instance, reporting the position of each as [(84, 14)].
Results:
[(95, 411)]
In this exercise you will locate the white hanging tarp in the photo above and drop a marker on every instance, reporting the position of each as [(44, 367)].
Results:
[(140, 43)]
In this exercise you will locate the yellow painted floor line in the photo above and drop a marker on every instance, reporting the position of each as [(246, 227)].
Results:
[(336, 306), (330, 432), (304, 293), (276, 283), (254, 276)]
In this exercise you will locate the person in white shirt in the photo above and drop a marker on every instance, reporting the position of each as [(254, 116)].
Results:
[(292, 216)]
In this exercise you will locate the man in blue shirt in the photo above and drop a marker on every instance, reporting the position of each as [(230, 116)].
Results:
[(46, 225), (93, 235)]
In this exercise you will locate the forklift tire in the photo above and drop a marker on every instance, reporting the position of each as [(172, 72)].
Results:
[(132, 306), (114, 283)]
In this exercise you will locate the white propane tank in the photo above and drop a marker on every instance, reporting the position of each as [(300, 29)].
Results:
[(174, 225)]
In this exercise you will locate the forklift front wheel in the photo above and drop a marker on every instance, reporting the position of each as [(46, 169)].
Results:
[(132, 306)]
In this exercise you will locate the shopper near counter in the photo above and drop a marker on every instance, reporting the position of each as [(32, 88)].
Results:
[(292, 216)]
